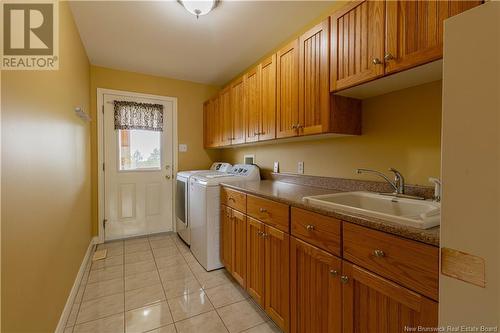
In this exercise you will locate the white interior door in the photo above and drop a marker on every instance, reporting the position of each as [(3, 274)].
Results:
[(138, 183)]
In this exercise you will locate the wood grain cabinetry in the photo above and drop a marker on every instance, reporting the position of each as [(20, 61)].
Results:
[(374, 304), (315, 289), (255, 260), (226, 239), (238, 100), (415, 267), (357, 44), (287, 90), (314, 92), (211, 135), (329, 275), (370, 39), (276, 290), (225, 117), (414, 31)]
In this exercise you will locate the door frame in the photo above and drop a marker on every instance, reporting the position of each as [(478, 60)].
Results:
[(100, 149)]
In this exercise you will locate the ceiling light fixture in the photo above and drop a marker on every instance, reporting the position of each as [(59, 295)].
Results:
[(199, 7)]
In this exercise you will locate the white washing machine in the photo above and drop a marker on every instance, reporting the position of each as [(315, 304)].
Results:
[(182, 198), (204, 211)]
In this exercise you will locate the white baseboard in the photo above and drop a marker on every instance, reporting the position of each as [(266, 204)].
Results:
[(74, 290)]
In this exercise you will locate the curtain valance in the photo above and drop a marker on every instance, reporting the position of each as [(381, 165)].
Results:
[(142, 116)]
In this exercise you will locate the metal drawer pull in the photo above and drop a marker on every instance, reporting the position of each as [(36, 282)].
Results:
[(262, 210), (334, 272), (309, 227), (259, 233), (379, 253), (344, 279), (231, 199), (376, 61), (388, 56), (264, 235)]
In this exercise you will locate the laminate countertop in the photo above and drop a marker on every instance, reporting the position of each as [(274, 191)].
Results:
[(292, 195)]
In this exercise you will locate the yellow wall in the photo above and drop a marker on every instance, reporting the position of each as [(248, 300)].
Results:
[(46, 222), (400, 129), (190, 98)]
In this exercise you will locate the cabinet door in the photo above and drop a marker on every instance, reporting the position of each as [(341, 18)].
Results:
[(315, 289), (225, 117), (239, 247), (207, 124), (255, 260), (287, 90), (357, 44), (253, 105), (238, 111), (314, 91), (374, 304), (277, 269), (226, 237), (216, 122), (267, 129), (414, 31)]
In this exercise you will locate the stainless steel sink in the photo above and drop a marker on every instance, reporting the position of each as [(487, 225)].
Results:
[(422, 214)]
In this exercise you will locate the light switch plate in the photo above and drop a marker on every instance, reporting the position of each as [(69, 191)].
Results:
[(183, 147), (276, 167), (300, 167)]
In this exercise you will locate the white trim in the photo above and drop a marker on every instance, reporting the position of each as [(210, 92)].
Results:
[(100, 149), (74, 290)]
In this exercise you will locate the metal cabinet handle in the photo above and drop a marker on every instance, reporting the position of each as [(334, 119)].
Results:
[(376, 61), (262, 210), (259, 233), (379, 253), (231, 199), (294, 126), (333, 272), (388, 56), (309, 227), (264, 235), (344, 279)]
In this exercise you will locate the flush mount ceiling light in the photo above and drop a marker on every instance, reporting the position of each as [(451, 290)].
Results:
[(199, 7)]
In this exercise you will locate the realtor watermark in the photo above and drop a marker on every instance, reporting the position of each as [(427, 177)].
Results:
[(30, 35), (461, 328)]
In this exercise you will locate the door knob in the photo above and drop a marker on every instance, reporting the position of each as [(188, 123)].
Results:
[(167, 177), (388, 56), (334, 272), (167, 167), (376, 61)]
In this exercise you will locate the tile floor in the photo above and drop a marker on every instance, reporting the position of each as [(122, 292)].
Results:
[(154, 284)]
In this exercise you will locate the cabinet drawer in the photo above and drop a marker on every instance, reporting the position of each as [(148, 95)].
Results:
[(234, 199), (317, 229), (409, 263), (269, 212)]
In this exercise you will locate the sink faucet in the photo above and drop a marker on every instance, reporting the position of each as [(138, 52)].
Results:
[(398, 184)]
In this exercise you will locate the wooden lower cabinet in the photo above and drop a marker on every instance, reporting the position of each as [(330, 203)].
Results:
[(255, 260), (277, 274), (226, 239), (239, 264), (315, 289), (374, 304)]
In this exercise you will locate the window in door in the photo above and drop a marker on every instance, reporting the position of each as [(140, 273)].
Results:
[(139, 150)]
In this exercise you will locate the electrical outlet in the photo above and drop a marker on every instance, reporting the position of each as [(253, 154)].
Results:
[(276, 167), (300, 167)]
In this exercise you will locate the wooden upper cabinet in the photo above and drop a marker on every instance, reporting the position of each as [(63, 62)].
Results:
[(238, 111), (211, 123), (226, 239), (314, 92), (252, 105), (255, 260), (277, 270), (315, 289), (287, 90), (239, 265), (225, 117), (414, 31), (267, 68), (357, 44), (374, 304)]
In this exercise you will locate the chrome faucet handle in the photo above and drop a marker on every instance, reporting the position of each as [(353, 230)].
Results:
[(399, 181)]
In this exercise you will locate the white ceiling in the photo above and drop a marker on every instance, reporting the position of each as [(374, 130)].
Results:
[(162, 38)]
